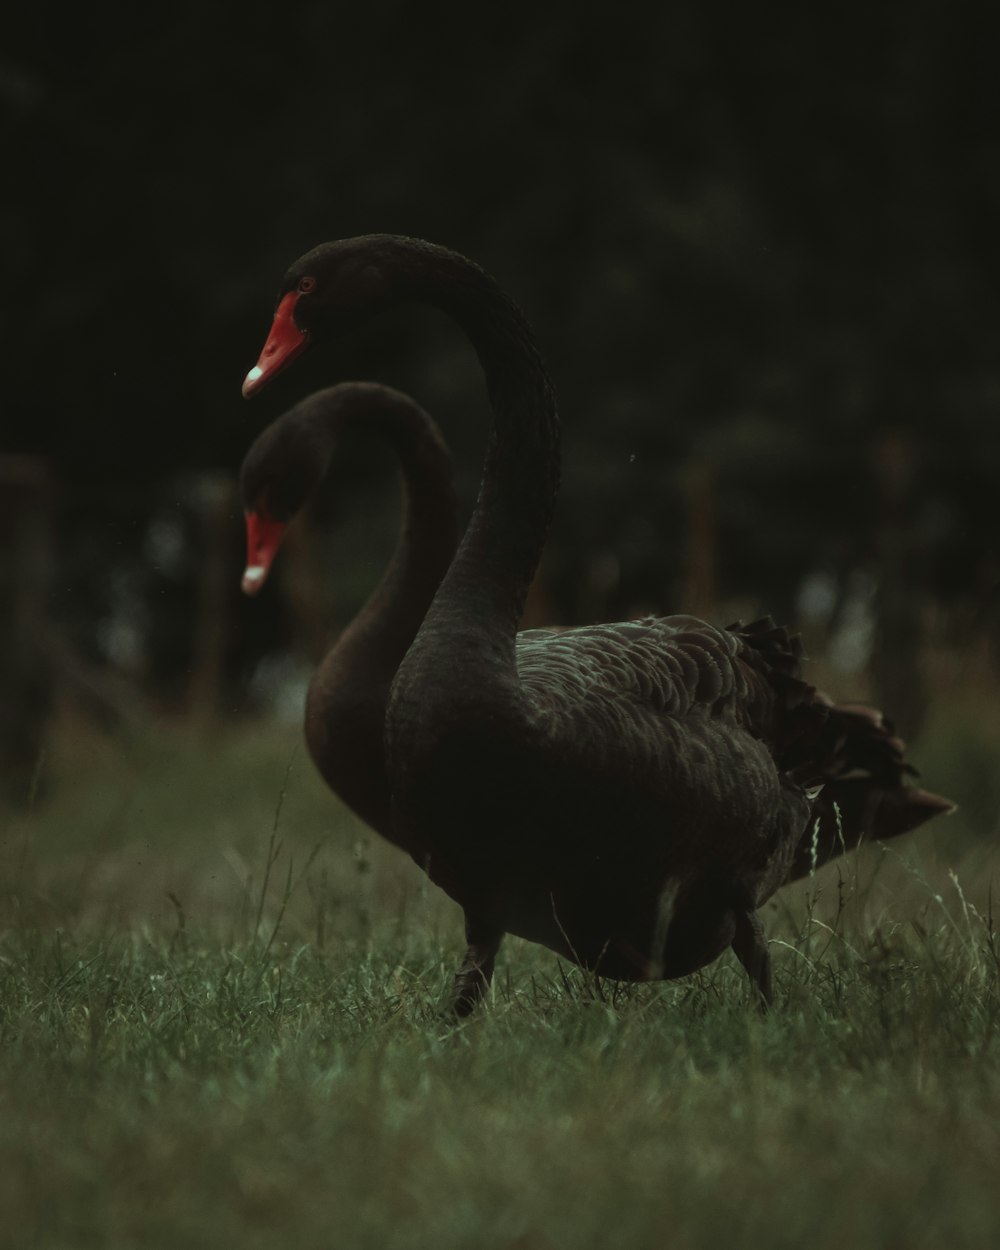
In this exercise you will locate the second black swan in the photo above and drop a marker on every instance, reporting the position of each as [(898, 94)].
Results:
[(346, 703)]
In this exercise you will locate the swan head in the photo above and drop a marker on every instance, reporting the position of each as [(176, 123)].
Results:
[(327, 291), (280, 471)]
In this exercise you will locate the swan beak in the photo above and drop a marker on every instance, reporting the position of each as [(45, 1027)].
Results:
[(284, 343), (264, 537)]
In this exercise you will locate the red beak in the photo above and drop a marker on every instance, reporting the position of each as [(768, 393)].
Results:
[(263, 539), (284, 343)]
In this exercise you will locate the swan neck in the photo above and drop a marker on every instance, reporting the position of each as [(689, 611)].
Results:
[(426, 536), (499, 554)]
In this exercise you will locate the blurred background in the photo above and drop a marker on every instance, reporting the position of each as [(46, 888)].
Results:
[(759, 251)]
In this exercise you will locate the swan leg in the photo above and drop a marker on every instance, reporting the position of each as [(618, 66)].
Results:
[(751, 949), (474, 976)]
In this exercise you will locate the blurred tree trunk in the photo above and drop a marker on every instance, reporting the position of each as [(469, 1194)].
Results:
[(26, 502), (218, 513), (898, 679), (699, 590)]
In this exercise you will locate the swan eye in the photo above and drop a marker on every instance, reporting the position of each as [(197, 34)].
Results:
[(306, 285), (262, 502)]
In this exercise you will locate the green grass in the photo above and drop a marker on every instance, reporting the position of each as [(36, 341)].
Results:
[(196, 1051)]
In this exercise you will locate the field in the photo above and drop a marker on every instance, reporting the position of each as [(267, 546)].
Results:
[(222, 1026)]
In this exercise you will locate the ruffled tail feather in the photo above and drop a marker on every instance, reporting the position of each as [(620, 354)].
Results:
[(850, 751), (866, 794)]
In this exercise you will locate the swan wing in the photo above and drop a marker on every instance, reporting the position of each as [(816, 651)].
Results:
[(712, 725), (623, 694)]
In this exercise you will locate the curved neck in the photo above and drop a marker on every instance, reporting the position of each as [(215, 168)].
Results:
[(490, 575), (427, 529), (346, 705)]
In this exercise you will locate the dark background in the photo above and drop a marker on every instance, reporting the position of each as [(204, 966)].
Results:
[(757, 244)]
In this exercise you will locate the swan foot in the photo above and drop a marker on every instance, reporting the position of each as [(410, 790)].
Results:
[(751, 949), (473, 978)]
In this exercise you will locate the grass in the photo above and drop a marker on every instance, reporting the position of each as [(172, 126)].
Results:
[(197, 1049)]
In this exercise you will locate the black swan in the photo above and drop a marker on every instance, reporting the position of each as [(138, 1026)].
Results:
[(627, 794), (345, 707)]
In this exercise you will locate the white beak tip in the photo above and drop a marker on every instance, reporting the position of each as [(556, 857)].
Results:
[(251, 380)]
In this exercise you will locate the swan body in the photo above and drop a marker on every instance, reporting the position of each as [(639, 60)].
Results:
[(629, 794)]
